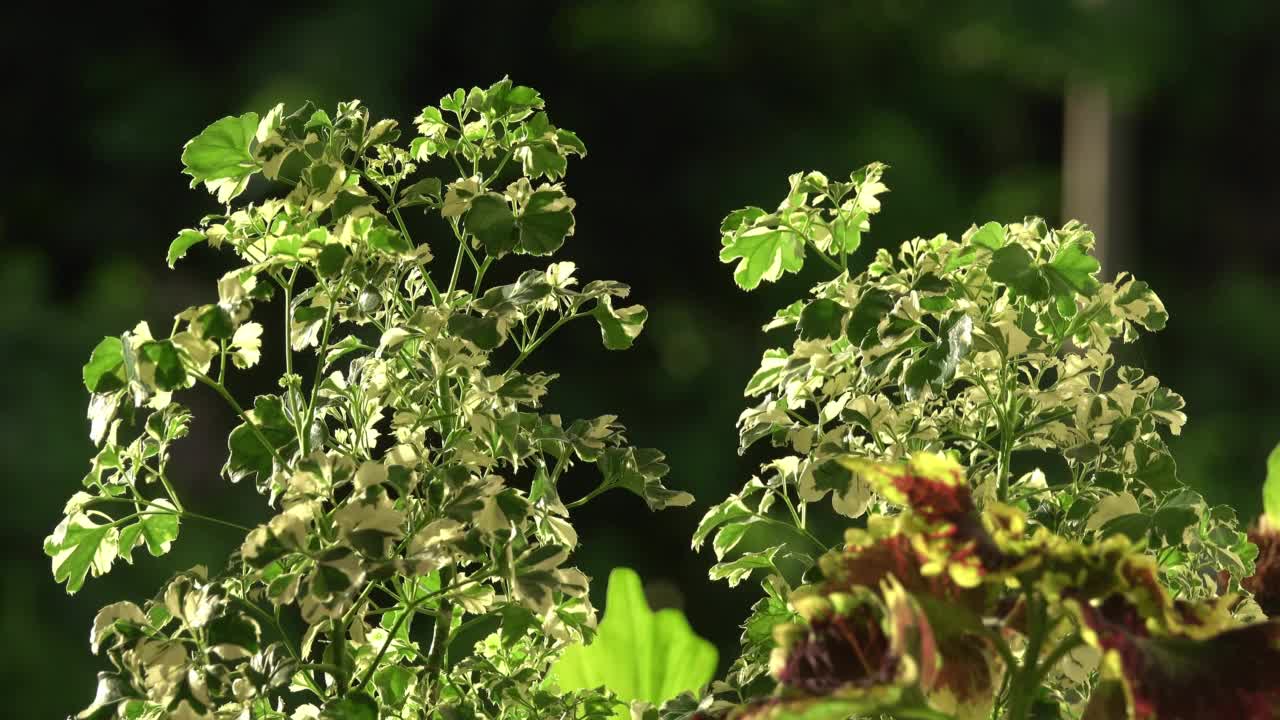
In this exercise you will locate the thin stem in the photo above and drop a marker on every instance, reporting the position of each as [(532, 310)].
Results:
[(315, 382), (222, 390), (439, 639), (793, 528), (164, 511), (587, 498), (541, 339), (168, 488)]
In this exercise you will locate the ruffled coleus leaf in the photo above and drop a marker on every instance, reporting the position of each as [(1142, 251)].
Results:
[(1176, 674)]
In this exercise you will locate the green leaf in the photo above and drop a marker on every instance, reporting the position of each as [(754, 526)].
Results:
[(619, 328), (158, 528), (728, 511), (1072, 270), (469, 633), (1013, 266), (388, 240), (491, 221), (181, 244), (105, 370), (989, 236), (937, 365), (867, 314), (248, 455), (545, 221), (357, 706), (79, 545), (1134, 526), (392, 682), (739, 569), (641, 470), (169, 373), (763, 254), (821, 320), (483, 331), (219, 156), (637, 654), (1271, 488)]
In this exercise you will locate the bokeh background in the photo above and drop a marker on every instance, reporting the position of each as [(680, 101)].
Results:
[(1155, 121)]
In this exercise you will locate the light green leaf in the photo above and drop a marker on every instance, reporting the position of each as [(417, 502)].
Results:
[(219, 156), (735, 571), (78, 546), (105, 370), (181, 244), (1072, 270), (619, 328), (637, 653), (728, 511), (763, 253), (157, 528), (1271, 488)]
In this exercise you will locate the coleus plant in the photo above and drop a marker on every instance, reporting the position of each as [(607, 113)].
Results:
[(408, 475), (995, 352)]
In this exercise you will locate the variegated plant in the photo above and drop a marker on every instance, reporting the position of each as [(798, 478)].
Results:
[(995, 349), (409, 479)]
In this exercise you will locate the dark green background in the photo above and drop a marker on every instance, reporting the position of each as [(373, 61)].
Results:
[(690, 109)]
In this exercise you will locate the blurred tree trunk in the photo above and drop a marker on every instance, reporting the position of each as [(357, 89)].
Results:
[(1097, 170)]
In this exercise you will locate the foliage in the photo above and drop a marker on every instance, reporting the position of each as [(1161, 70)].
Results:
[(638, 654), (996, 350), (413, 558)]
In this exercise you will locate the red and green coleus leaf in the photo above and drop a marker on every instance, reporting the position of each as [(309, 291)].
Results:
[(944, 524), (1150, 673), (878, 649)]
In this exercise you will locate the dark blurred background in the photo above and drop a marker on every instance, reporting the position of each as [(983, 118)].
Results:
[(1156, 122)]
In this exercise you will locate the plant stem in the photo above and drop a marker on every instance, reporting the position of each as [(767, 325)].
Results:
[(439, 639), (222, 390), (542, 338)]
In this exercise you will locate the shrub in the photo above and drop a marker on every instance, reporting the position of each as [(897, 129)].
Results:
[(410, 474), (1017, 514)]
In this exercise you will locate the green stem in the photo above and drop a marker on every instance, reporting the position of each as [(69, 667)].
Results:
[(315, 382), (1022, 691), (457, 260), (795, 529), (439, 639), (222, 390), (542, 338)]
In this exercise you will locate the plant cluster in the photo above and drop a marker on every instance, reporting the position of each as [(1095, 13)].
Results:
[(1019, 544), (410, 474), (1024, 547)]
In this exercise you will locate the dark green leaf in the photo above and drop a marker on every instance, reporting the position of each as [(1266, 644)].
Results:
[(483, 331), (545, 221), (491, 221), (821, 319), (1013, 266), (871, 308), (357, 706), (1072, 270), (169, 373)]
